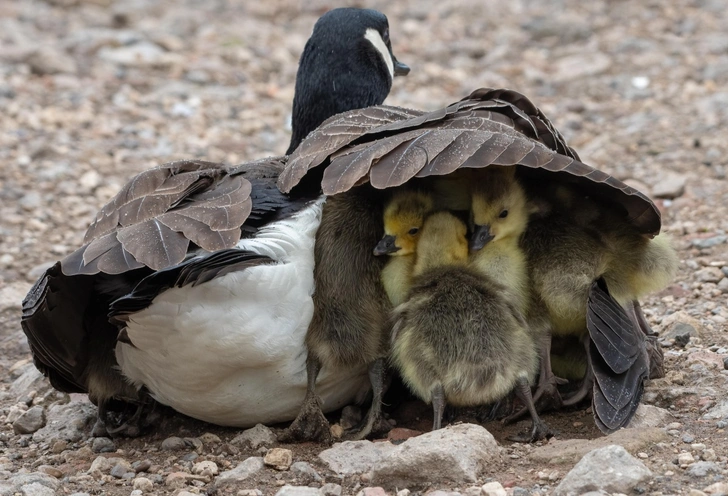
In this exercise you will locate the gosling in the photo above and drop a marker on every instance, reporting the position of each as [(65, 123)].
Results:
[(458, 339)]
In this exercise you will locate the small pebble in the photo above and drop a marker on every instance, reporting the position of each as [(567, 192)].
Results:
[(103, 445), (688, 438), (685, 459), (173, 443)]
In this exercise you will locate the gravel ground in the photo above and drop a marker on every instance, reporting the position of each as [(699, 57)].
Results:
[(94, 91)]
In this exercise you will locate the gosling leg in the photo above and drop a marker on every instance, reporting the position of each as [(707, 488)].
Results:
[(102, 418), (587, 383), (310, 424), (373, 422), (539, 429), (547, 386), (132, 427), (438, 406)]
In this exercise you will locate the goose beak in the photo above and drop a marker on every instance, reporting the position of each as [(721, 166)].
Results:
[(400, 69), (481, 237), (385, 246)]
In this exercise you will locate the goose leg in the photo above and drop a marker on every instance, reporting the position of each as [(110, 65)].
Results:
[(539, 429), (373, 422), (438, 406), (311, 424)]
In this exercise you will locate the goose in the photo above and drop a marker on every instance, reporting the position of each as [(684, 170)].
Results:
[(369, 151), (458, 338), (195, 281)]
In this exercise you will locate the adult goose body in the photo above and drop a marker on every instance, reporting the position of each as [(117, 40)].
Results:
[(197, 278)]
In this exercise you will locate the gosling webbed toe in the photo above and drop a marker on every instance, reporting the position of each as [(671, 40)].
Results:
[(310, 425)]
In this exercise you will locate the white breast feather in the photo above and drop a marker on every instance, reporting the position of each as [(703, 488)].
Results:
[(231, 351)]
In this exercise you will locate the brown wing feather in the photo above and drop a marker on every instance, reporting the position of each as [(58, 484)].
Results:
[(156, 215), (500, 127), (336, 133)]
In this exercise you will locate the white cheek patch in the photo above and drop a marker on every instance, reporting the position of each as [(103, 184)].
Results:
[(376, 40)]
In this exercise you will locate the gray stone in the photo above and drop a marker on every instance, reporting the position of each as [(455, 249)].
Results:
[(69, 422), (610, 469), (256, 437), (103, 445), (670, 187), (30, 379), (680, 323), (173, 443), (118, 470), (35, 479), (456, 454), (36, 489), (354, 457), (143, 484), (709, 274), (30, 421), (48, 60), (701, 469), (719, 411), (245, 469), (723, 285), (142, 54), (572, 450), (330, 490), (650, 416), (305, 472), (141, 466), (709, 242), (298, 491)]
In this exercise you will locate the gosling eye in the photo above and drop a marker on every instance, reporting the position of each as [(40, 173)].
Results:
[(413, 231), (503, 214)]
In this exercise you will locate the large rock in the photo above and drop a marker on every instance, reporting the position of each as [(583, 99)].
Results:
[(70, 421), (35, 483), (354, 457), (572, 450), (29, 379), (611, 469), (455, 454), (719, 411), (650, 416), (230, 479)]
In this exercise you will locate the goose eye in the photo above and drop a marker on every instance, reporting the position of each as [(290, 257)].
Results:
[(385, 36), (413, 231), (503, 214)]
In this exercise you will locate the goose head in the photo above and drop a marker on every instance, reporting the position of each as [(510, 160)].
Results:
[(347, 64), (499, 207), (404, 216)]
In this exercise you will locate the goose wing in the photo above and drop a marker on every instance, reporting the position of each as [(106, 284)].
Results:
[(619, 359), (151, 225), (388, 146)]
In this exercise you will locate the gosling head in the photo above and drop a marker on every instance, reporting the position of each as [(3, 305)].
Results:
[(404, 216), (442, 242), (499, 208)]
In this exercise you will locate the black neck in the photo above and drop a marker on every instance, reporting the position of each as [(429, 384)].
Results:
[(332, 80)]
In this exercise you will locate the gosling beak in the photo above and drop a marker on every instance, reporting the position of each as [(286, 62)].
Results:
[(481, 237), (400, 69), (385, 246)]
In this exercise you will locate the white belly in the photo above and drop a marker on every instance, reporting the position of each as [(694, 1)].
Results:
[(231, 351)]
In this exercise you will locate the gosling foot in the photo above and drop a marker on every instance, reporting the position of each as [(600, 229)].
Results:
[(539, 429), (310, 425)]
